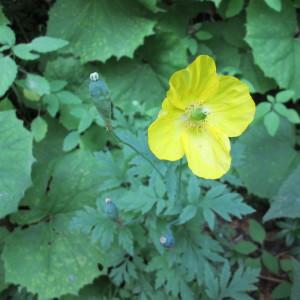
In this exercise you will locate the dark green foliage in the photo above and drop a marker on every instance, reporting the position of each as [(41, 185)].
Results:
[(87, 211)]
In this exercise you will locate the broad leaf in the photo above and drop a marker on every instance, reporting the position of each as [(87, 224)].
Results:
[(275, 49), (97, 29), (8, 73), (60, 188), (287, 202), (15, 161), (157, 60), (265, 160), (49, 260)]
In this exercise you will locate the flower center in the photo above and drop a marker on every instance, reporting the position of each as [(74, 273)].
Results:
[(195, 116)]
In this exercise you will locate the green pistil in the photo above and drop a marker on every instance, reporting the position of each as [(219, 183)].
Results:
[(197, 115)]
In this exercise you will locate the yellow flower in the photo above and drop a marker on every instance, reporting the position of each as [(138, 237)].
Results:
[(201, 111)]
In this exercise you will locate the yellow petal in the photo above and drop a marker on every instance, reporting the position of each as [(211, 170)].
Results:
[(193, 84), (164, 134), (207, 152), (231, 109)]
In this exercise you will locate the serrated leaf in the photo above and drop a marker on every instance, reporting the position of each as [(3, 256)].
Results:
[(126, 240), (275, 49), (45, 44), (15, 161), (73, 262), (8, 73), (39, 128), (256, 231), (97, 29), (187, 214), (272, 121), (231, 285), (223, 203), (74, 184), (161, 55), (245, 247)]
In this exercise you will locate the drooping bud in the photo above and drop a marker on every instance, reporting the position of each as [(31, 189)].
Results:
[(167, 239), (111, 210), (101, 98)]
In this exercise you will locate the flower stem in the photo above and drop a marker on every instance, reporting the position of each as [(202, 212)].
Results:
[(138, 152), (179, 179)]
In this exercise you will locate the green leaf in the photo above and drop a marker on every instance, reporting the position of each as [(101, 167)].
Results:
[(39, 128), (52, 103), (71, 141), (3, 19), (187, 214), (256, 231), (98, 30), (245, 247), (260, 168), (37, 85), (287, 201), (274, 4), (292, 115), (23, 51), (15, 161), (261, 109), (126, 240), (203, 35), (45, 44), (151, 5), (228, 285), (66, 261), (7, 36), (233, 7), (270, 261), (282, 291), (60, 189), (284, 96), (272, 121), (162, 55), (8, 73), (295, 291), (275, 49), (223, 203), (252, 73)]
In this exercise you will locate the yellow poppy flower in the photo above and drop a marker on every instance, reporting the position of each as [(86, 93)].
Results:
[(201, 111)]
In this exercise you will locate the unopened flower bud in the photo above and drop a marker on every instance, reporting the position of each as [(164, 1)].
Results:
[(111, 210), (167, 240)]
